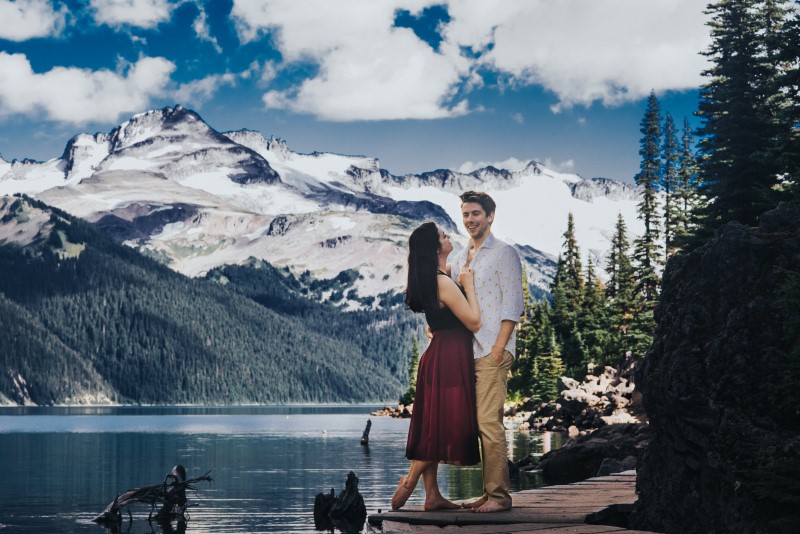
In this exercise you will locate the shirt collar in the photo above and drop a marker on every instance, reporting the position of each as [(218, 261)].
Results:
[(489, 241)]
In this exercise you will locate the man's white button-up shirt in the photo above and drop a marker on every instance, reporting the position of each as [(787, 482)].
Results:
[(498, 287)]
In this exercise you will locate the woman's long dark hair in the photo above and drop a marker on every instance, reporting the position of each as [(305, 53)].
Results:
[(422, 289)]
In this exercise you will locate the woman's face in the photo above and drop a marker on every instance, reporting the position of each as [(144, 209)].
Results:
[(445, 245)]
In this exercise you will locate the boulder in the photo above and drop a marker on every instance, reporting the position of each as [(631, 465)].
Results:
[(720, 386), (603, 399), (581, 458)]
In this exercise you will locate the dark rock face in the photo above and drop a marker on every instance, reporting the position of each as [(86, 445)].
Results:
[(583, 457), (152, 221), (720, 386)]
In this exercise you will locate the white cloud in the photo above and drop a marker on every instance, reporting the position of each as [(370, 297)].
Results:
[(583, 51), (367, 69), (199, 91), (268, 73), (567, 166), (519, 118), (80, 95), (28, 19), (139, 13), (202, 30)]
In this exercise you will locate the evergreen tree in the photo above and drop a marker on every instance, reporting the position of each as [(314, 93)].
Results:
[(413, 365), (738, 114), (520, 382), (567, 291), (546, 365), (787, 150), (689, 198), (647, 246), (621, 292), (670, 181), (593, 322)]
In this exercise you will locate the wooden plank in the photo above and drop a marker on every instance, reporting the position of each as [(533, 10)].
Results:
[(520, 528), (549, 510)]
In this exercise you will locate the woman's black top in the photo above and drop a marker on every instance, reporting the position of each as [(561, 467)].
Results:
[(443, 318)]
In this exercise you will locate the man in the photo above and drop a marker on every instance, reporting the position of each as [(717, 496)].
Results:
[(498, 287)]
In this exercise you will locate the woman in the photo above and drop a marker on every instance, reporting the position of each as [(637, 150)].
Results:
[(443, 426)]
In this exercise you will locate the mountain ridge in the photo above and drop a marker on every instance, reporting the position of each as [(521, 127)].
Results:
[(232, 186)]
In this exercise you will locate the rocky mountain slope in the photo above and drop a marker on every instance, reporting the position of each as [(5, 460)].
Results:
[(169, 185)]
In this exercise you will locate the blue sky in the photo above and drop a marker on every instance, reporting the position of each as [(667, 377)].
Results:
[(418, 84)]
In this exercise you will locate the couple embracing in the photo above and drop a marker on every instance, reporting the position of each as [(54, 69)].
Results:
[(472, 307)]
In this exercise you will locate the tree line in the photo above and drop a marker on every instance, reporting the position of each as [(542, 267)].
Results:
[(742, 161), (109, 322)]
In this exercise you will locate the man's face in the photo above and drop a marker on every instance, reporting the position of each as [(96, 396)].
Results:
[(476, 222)]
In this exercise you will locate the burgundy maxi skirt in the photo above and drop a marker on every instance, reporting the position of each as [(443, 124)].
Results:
[(444, 426)]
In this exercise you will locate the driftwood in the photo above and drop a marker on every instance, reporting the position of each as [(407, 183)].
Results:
[(347, 512), (170, 494)]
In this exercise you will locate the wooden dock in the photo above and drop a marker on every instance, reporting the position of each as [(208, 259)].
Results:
[(547, 510)]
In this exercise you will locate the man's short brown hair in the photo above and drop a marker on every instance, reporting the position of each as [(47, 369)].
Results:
[(486, 202)]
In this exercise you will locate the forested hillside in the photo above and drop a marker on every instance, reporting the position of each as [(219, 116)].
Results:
[(84, 318)]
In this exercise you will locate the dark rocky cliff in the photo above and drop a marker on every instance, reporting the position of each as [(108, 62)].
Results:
[(721, 386)]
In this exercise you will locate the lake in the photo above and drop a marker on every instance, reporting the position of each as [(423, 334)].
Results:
[(62, 466)]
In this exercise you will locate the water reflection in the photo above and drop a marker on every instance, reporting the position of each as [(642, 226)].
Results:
[(63, 466)]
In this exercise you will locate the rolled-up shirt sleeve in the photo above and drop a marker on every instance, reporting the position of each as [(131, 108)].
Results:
[(512, 297)]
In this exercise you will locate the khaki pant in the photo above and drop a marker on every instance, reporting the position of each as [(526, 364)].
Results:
[(490, 393)]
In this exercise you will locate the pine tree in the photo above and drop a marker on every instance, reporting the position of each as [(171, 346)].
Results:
[(413, 365), (787, 149), (593, 320), (546, 357), (647, 246), (567, 292), (621, 292), (670, 157), (520, 382), (689, 198), (739, 122)]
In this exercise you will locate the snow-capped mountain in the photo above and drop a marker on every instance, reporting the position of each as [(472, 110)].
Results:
[(168, 184)]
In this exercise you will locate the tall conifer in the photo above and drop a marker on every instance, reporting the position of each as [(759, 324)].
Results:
[(593, 320), (567, 291), (646, 251), (689, 196), (620, 291), (670, 156), (739, 124)]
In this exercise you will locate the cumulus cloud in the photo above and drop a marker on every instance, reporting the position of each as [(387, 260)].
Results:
[(28, 19), (613, 51), (583, 52), (138, 13), (78, 96), (199, 91), (367, 69)]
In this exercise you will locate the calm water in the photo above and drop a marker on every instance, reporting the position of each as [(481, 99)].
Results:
[(62, 466)]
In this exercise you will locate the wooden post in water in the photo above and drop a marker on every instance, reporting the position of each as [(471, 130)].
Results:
[(365, 435)]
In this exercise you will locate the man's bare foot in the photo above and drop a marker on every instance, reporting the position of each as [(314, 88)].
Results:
[(440, 503), (490, 507), (477, 503)]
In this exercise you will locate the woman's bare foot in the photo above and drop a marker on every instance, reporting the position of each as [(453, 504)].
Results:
[(477, 503), (490, 507), (440, 503), (401, 494)]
